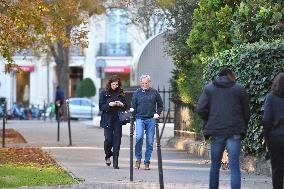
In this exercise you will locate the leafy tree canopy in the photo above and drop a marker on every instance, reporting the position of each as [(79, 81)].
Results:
[(39, 23)]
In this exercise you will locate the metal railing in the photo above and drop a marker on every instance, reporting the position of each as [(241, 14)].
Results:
[(114, 49)]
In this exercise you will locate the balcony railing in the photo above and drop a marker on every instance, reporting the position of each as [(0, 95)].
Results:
[(76, 51), (24, 52), (114, 49)]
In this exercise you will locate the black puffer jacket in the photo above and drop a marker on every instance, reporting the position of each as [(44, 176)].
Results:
[(224, 107), (110, 114), (273, 117)]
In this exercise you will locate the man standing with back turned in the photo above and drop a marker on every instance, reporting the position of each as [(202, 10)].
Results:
[(148, 105), (224, 108)]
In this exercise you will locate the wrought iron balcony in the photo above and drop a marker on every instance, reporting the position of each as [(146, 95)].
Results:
[(76, 51), (24, 52), (114, 49)]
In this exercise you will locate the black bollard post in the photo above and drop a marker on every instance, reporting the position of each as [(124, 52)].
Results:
[(160, 164), (68, 118), (131, 143), (4, 122), (58, 121), (44, 111)]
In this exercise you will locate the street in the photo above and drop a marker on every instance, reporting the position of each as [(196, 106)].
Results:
[(85, 160)]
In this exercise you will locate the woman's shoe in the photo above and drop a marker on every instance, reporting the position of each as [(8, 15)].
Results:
[(108, 162), (115, 162)]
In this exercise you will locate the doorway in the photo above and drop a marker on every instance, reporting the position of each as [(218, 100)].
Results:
[(23, 88), (76, 75)]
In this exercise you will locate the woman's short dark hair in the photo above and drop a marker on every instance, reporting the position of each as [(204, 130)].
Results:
[(277, 87), (114, 78), (225, 71)]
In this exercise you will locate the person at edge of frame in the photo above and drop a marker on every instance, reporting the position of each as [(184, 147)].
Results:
[(273, 129)]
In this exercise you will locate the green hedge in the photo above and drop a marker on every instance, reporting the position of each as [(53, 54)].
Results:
[(86, 88), (255, 66)]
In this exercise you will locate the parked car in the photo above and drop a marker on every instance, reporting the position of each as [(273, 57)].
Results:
[(82, 108)]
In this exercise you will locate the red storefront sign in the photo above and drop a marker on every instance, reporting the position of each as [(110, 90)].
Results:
[(26, 68), (117, 69)]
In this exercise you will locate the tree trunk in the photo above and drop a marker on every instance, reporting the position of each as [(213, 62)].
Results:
[(61, 57), (60, 54)]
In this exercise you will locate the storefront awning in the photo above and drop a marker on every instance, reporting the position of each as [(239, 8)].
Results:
[(117, 69), (25, 68)]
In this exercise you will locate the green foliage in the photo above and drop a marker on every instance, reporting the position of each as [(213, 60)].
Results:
[(195, 123), (211, 28), (179, 16), (255, 66), (86, 88), (14, 175), (190, 83), (254, 21)]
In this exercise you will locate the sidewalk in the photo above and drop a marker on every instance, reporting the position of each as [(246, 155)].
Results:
[(85, 160)]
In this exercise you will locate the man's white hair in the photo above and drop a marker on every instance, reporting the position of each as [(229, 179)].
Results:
[(145, 76)]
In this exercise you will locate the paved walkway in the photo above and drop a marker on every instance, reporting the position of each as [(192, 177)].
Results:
[(85, 160)]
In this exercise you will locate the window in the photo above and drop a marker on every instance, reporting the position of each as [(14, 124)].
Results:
[(85, 103), (75, 102), (117, 30)]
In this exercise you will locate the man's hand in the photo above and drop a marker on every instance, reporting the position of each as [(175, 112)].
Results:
[(112, 104), (156, 116)]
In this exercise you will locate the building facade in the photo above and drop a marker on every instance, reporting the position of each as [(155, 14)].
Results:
[(112, 45)]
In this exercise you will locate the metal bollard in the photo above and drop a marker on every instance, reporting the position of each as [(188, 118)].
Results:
[(164, 124), (4, 125), (68, 118), (58, 121), (159, 154), (131, 143), (44, 111)]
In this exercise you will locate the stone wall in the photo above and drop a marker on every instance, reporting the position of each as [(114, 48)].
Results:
[(200, 148)]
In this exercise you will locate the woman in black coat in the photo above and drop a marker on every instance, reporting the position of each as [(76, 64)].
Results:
[(112, 100), (273, 129)]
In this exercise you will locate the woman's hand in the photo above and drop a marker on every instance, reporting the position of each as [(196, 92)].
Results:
[(118, 103)]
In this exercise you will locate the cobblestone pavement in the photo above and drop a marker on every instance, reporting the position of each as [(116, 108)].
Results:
[(84, 160)]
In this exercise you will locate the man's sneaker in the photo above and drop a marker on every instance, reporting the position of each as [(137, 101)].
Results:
[(137, 164), (147, 166)]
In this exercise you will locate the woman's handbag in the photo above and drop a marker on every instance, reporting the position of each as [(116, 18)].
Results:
[(124, 117)]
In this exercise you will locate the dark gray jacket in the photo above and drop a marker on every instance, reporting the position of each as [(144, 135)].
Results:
[(224, 108), (273, 118), (146, 103)]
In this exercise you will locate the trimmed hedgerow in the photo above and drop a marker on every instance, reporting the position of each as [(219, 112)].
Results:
[(255, 66)]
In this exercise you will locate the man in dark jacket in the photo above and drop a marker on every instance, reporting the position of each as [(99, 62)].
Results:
[(224, 108), (59, 100), (148, 105)]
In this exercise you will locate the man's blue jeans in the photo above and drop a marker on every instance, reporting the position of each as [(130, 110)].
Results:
[(233, 145), (149, 126)]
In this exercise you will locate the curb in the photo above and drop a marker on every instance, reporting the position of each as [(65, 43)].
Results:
[(202, 149), (196, 148)]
